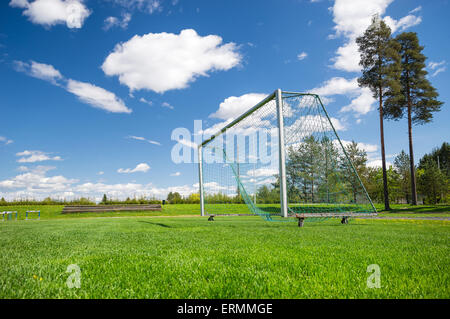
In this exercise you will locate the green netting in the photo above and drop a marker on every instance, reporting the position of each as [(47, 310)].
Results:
[(240, 166)]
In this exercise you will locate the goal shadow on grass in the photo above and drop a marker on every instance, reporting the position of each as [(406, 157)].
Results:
[(155, 224)]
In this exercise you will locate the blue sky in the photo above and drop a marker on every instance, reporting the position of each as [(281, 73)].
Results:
[(90, 91)]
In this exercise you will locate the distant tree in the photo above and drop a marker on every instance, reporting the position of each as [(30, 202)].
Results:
[(104, 199), (402, 167), (433, 184), (194, 198), (381, 72), (267, 195), (3, 201), (417, 98), (441, 156), (174, 198), (358, 157), (376, 188)]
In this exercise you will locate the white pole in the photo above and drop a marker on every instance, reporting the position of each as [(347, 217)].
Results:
[(200, 177), (282, 159)]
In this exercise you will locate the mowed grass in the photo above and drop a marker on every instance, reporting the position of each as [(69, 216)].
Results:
[(232, 257), (54, 211)]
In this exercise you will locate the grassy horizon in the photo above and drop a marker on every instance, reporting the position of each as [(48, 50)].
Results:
[(54, 211)]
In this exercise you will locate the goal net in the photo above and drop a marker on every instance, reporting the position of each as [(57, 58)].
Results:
[(280, 159)]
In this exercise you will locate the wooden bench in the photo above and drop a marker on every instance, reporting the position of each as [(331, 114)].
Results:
[(110, 208), (345, 216)]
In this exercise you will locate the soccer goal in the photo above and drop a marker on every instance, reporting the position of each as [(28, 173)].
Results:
[(281, 160)]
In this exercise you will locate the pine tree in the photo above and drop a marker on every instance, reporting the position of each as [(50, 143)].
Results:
[(104, 199), (381, 72), (417, 98)]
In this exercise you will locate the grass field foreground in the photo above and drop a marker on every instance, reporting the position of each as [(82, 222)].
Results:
[(232, 257)]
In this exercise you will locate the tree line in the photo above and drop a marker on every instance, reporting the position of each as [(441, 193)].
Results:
[(317, 176)]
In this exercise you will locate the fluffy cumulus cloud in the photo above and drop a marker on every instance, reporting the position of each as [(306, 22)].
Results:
[(352, 17), (97, 97), (142, 167), (35, 182), (87, 93), (167, 61), (362, 99), (36, 156), (52, 12), (234, 106)]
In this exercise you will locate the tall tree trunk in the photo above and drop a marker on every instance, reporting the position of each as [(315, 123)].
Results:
[(383, 156), (411, 153)]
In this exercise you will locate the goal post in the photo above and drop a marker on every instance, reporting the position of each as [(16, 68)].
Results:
[(280, 159)]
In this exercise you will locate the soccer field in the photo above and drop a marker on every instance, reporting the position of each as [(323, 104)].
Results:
[(232, 257)]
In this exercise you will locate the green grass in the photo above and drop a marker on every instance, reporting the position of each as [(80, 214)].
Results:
[(232, 257), (54, 211)]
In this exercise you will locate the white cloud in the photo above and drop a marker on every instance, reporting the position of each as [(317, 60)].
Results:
[(5, 141), (86, 92), (34, 181), (302, 56), (438, 71), (148, 6), (369, 148), (234, 106), (362, 99), (140, 138), (41, 71), (175, 174), (52, 12), (352, 17), (416, 9), (261, 172), (111, 22), (433, 65), (167, 105), (362, 104), (44, 71), (142, 167), (36, 184), (377, 163), (437, 67), (35, 156), (97, 96), (167, 61), (402, 24), (101, 173), (143, 100), (306, 125), (338, 124), (337, 86), (188, 143)]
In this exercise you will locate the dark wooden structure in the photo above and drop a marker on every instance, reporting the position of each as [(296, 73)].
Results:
[(110, 208)]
